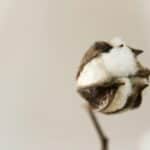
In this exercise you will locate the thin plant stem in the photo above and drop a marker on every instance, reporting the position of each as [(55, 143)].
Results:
[(103, 139)]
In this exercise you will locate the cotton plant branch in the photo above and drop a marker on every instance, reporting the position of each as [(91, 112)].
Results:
[(102, 137)]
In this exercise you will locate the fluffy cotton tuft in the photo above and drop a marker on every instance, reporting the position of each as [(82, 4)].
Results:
[(93, 72), (120, 61)]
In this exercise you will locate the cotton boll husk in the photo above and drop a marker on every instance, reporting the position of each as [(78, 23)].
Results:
[(121, 96)]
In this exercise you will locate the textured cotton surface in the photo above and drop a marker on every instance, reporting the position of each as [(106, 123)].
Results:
[(93, 72), (120, 62)]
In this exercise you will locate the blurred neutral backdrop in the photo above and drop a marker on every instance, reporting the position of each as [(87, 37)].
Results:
[(41, 44)]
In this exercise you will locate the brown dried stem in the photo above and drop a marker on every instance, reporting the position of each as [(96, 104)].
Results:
[(103, 139)]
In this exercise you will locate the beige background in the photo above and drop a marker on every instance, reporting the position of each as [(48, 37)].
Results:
[(41, 43)]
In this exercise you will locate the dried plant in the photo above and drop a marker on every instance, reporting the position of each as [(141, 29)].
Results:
[(111, 79)]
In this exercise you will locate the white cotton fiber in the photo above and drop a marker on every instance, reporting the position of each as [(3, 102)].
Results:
[(93, 72), (120, 62)]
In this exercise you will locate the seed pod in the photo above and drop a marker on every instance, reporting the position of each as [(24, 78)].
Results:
[(110, 78)]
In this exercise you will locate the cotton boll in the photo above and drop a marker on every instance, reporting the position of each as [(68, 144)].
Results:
[(111, 78)]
